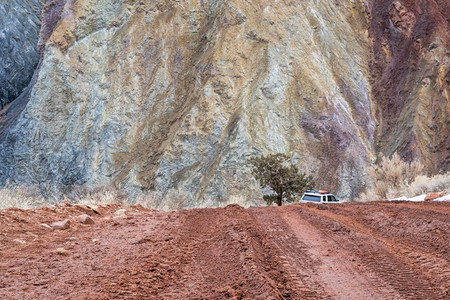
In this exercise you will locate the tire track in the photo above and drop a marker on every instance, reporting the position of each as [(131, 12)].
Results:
[(230, 255), (345, 251), (398, 263), (434, 207), (296, 260), (418, 236), (319, 261)]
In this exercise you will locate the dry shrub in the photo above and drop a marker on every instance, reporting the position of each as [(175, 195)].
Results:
[(30, 197), (173, 200), (100, 195), (390, 178), (27, 197), (24, 197), (424, 184), (152, 200)]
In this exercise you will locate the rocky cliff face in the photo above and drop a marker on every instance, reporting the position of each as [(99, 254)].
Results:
[(20, 22), (411, 70), (177, 95)]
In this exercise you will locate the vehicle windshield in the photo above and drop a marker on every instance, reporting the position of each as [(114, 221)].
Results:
[(311, 198)]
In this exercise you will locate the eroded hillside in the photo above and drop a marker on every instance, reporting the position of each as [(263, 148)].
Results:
[(174, 97), (411, 69)]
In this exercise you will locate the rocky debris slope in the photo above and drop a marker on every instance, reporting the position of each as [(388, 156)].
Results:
[(172, 97), (348, 251), (20, 23)]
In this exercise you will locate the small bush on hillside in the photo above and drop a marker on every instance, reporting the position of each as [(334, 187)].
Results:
[(276, 172), (390, 178)]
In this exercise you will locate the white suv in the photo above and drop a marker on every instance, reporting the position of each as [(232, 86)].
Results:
[(318, 197)]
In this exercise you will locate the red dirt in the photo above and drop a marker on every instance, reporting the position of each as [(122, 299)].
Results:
[(340, 251)]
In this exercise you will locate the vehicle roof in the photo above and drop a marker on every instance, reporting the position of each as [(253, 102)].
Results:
[(318, 192)]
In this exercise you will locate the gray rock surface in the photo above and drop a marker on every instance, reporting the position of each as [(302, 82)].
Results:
[(168, 99), (20, 22), (173, 97)]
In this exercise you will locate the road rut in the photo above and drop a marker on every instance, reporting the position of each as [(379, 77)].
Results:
[(302, 251)]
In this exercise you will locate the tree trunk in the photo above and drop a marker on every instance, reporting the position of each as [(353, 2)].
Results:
[(280, 199)]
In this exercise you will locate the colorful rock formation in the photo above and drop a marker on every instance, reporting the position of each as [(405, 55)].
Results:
[(173, 96)]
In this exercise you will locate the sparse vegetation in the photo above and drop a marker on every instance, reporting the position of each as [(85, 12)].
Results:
[(390, 177), (174, 200), (98, 196), (23, 197), (394, 178), (423, 184), (276, 172), (29, 197)]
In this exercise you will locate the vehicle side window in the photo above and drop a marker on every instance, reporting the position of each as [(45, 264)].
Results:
[(333, 199), (311, 198)]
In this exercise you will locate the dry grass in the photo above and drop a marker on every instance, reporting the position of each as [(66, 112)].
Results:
[(394, 178), (23, 197), (101, 195), (389, 178), (174, 200), (26, 197), (424, 184)]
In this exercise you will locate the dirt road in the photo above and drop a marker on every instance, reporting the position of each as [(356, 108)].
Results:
[(340, 251)]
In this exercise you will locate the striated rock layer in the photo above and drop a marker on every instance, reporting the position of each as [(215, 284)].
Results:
[(20, 22), (175, 96), (411, 68)]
